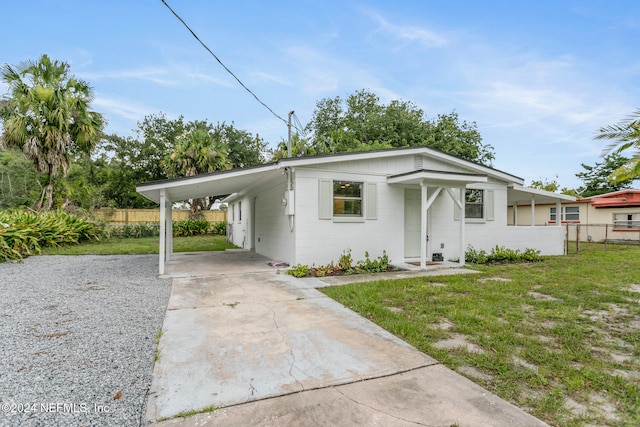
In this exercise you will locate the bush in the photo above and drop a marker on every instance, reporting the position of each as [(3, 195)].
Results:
[(375, 266), (500, 254), (136, 230), (299, 270), (219, 228), (24, 233), (344, 266), (191, 227)]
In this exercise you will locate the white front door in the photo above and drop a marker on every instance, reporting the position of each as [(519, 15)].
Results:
[(412, 219)]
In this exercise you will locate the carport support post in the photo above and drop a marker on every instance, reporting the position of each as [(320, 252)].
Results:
[(533, 211), (558, 213), (163, 230), (169, 248), (423, 226)]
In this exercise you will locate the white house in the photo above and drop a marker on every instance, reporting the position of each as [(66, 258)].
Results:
[(407, 202)]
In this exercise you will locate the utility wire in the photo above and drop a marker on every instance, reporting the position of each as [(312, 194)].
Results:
[(220, 62)]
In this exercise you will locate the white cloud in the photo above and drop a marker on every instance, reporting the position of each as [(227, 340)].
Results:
[(259, 75), (119, 107), (407, 33)]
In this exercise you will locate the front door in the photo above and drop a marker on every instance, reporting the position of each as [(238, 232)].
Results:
[(412, 223)]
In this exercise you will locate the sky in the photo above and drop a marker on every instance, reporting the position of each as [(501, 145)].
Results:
[(538, 78)]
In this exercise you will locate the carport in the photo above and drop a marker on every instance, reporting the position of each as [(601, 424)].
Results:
[(168, 191)]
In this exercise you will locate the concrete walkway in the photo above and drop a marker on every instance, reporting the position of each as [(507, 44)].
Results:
[(268, 349)]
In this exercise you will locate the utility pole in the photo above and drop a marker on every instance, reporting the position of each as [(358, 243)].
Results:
[(289, 138)]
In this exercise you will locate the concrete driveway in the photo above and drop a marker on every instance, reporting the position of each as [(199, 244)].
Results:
[(268, 349)]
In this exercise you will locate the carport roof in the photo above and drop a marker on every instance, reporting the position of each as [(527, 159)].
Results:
[(517, 194), (216, 183)]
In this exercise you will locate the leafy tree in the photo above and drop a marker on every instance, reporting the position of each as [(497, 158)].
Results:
[(199, 151), (47, 116), (596, 179), (195, 153), (361, 122), (299, 147), (19, 183), (626, 138), (551, 186), (243, 149), (126, 161)]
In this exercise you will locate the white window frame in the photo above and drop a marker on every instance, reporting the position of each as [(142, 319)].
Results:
[(468, 204), (622, 222), (368, 199), (488, 206), (564, 213)]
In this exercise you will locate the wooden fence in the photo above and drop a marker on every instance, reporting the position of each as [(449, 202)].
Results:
[(147, 216)]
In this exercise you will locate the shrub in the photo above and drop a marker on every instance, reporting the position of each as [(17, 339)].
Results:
[(373, 266), (219, 228), (23, 233), (500, 254), (191, 227), (346, 261), (299, 270), (136, 230), (344, 266)]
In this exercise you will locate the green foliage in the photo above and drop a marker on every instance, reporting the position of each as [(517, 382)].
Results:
[(19, 183), (344, 266), (596, 179), (373, 266), (191, 227), (346, 260), (219, 228), (24, 233), (361, 122), (47, 116), (299, 270), (626, 138), (136, 230), (500, 254)]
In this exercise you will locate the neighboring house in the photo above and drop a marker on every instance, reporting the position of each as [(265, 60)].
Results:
[(611, 216), (407, 202)]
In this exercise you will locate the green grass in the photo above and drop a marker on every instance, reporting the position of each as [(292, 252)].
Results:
[(144, 245), (560, 338)]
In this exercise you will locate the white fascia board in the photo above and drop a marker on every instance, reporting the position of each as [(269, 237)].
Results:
[(536, 192), (437, 177)]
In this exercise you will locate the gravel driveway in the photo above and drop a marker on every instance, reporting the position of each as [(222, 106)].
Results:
[(77, 339)]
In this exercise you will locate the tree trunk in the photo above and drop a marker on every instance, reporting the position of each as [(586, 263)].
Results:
[(46, 198), (195, 209)]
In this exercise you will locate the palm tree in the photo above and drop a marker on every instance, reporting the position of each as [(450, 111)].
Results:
[(47, 116), (197, 152), (299, 147), (626, 136)]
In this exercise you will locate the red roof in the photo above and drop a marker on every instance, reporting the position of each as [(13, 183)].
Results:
[(622, 198)]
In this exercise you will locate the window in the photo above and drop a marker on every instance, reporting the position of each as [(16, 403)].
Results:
[(347, 198), (626, 221), (474, 204), (347, 201), (567, 214), (240, 211)]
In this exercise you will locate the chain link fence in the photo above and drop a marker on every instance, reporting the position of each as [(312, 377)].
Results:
[(605, 234)]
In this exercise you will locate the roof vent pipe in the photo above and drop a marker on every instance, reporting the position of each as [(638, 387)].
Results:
[(289, 137)]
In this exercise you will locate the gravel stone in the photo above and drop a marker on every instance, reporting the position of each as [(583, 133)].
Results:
[(77, 339)]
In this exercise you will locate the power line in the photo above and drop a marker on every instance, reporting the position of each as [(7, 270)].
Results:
[(220, 62)]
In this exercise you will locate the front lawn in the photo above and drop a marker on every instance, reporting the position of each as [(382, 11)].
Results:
[(143, 245), (559, 338)]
